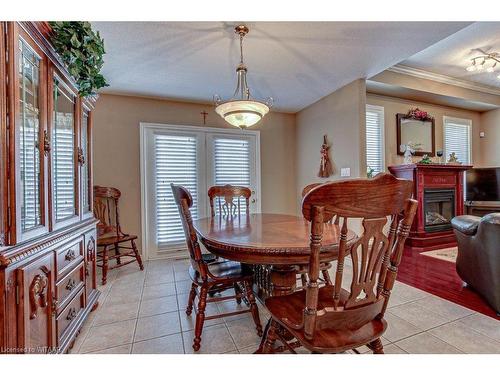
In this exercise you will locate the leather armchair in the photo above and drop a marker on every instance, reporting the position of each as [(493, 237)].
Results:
[(478, 261)]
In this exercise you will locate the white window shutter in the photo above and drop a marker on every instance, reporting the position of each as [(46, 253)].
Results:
[(457, 139), (232, 161), (375, 157), (175, 162)]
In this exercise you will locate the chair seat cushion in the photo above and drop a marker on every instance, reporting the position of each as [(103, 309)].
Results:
[(111, 240), (324, 340), (466, 224), (224, 269)]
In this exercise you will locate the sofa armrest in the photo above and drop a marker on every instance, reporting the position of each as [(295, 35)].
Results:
[(466, 224)]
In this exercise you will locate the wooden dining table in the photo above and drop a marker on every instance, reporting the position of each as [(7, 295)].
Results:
[(275, 244)]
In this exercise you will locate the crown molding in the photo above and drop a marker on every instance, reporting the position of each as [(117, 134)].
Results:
[(424, 74)]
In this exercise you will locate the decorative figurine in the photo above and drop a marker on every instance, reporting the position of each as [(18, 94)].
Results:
[(325, 168), (453, 159), (409, 149)]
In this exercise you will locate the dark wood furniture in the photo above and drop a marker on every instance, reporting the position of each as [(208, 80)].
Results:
[(109, 232), (331, 319), (280, 241), (47, 229), (481, 208), (324, 267), (434, 183), (207, 277), (400, 117), (228, 199)]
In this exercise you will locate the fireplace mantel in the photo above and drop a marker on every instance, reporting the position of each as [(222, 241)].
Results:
[(429, 178)]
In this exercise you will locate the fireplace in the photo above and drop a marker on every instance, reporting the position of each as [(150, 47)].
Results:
[(438, 188), (439, 209)]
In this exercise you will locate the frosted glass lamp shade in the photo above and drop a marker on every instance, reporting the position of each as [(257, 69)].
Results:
[(242, 113)]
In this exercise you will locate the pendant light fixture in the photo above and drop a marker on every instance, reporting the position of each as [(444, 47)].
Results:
[(242, 110)]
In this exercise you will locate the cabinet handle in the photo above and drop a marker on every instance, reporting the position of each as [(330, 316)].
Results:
[(55, 302), (81, 157), (70, 255), (46, 143), (71, 284), (71, 314)]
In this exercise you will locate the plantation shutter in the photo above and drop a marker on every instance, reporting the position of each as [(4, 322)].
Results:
[(232, 161), (375, 138), (175, 162), (457, 135)]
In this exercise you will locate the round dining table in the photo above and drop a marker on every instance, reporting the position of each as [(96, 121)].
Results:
[(278, 242)]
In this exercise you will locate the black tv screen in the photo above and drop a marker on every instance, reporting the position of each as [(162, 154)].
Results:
[(483, 184)]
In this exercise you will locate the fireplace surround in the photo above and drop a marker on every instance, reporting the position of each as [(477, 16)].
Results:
[(439, 190)]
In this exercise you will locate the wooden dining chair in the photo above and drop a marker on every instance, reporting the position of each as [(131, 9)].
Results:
[(110, 236), (326, 266), (331, 319), (223, 274), (228, 199)]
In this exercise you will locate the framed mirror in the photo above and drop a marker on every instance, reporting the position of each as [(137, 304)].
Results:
[(417, 131)]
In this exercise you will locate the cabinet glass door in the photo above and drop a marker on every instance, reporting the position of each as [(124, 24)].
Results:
[(85, 162), (30, 158), (63, 152)]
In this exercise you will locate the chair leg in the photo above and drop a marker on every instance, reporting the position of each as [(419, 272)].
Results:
[(200, 317), (326, 277), (263, 339), (270, 338), (117, 253), (192, 295), (376, 346), (237, 291), (137, 255), (303, 280), (104, 265), (253, 307)]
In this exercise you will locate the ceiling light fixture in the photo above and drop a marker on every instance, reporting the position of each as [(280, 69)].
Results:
[(487, 61), (242, 110)]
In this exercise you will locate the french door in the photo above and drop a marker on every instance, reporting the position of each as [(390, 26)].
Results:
[(195, 158)]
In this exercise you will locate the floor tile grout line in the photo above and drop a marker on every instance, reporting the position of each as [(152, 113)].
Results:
[(179, 313), (138, 310), (476, 330)]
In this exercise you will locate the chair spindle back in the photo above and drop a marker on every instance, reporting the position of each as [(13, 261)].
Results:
[(375, 255), (229, 199), (106, 211)]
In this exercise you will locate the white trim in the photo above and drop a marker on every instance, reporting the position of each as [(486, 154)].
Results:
[(144, 127), (460, 121), (381, 110), (441, 78)]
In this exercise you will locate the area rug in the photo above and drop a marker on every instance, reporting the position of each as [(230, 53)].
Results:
[(448, 254)]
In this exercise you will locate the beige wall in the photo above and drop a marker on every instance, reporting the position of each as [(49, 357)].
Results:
[(116, 150), (392, 106), (341, 116), (490, 144)]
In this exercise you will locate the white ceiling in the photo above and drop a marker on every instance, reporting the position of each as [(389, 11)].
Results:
[(296, 63), (452, 55)]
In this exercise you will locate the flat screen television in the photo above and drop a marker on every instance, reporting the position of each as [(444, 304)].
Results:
[(483, 184)]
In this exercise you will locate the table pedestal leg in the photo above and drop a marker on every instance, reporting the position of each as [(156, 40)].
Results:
[(283, 280)]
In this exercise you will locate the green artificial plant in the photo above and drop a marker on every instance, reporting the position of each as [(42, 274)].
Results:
[(81, 49)]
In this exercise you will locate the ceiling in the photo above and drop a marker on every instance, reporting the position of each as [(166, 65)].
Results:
[(452, 55), (296, 63)]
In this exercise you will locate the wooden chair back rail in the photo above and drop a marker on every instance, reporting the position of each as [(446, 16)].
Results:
[(375, 256), (225, 196), (106, 210), (308, 188)]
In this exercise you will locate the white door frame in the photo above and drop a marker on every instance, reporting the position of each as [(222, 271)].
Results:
[(144, 128)]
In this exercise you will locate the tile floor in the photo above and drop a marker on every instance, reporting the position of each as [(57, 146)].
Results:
[(143, 312)]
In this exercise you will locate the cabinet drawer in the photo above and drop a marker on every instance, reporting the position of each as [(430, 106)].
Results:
[(69, 284), (69, 315), (68, 257)]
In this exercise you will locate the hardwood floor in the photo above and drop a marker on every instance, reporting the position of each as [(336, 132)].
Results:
[(439, 277)]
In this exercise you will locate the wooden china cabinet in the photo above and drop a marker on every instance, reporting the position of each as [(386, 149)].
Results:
[(47, 229)]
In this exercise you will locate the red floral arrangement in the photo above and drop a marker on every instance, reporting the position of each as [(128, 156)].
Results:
[(417, 114)]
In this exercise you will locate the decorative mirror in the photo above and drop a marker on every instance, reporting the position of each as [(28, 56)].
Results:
[(416, 128)]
